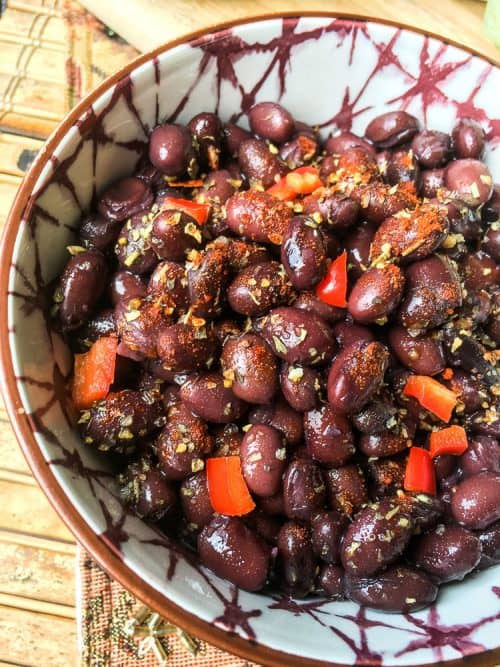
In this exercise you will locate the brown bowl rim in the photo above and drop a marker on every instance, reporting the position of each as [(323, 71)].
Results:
[(86, 537)]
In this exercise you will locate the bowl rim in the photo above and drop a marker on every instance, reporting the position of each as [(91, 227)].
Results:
[(85, 536)]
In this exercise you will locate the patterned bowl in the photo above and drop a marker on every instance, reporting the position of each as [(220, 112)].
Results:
[(333, 72)]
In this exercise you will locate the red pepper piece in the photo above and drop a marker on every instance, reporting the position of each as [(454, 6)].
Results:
[(450, 440), (419, 474), (431, 395), (94, 373), (227, 488), (333, 288), (282, 191), (304, 180), (197, 211)]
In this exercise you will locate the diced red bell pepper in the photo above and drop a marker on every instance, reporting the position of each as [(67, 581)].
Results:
[(420, 475), (198, 183), (333, 288), (431, 395), (196, 210), (450, 440), (227, 488), (94, 372), (282, 191), (304, 180)]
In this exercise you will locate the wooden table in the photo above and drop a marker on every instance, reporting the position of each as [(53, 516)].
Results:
[(37, 552)]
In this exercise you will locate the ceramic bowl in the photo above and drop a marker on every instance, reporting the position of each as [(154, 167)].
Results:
[(328, 71)]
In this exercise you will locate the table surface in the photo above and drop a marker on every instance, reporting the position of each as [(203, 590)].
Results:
[(37, 552)]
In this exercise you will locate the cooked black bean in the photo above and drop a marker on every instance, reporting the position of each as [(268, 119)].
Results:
[(118, 421), (303, 489), (234, 136), (379, 201), (297, 336), (346, 489), (126, 286), (208, 276), (250, 368), (207, 134), (271, 121), (330, 581), (183, 443), (469, 180), (346, 333), (258, 288), (282, 417), (296, 559), (299, 151), (301, 386), (402, 167), (334, 209), (124, 199), (228, 439), (207, 396), (469, 387), (424, 510), (102, 324), (138, 322), (398, 589), (431, 181), (171, 277), (490, 545), (383, 444), (482, 454), (309, 301), (233, 551), (391, 129), (263, 459), (480, 271), (491, 241), (467, 352), (134, 249), (475, 502), (356, 375), (376, 293), (261, 167), (377, 536), (468, 138), (144, 488), (195, 499), (273, 505), (81, 285), (241, 254), (303, 253), (171, 150), (431, 148), (174, 234), (342, 141), (185, 348), (225, 329), (258, 216), (422, 354), (326, 533), (373, 417), (386, 476), (99, 232), (328, 435), (448, 552)]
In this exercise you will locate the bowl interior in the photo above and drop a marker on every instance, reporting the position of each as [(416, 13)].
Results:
[(327, 72)]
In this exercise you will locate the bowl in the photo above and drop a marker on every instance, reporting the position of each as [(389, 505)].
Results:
[(330, 71)]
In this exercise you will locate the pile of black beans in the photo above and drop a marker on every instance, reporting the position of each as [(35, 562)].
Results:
[(225, 349)]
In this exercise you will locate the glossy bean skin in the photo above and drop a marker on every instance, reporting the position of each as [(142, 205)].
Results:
[(468, 139), (374, 416), (258, 288), (81, 285), (126, 286), (217, 188), (296, 559), (258, 216), (431, 181), (250, 366), (234, 136), (358, 244), (425, 511), (263, 459), (299, 151), (118, 421), (235, 552), (382, 444), (391, 129), (133, 249), (300, 386), (376, 293), (171, 277), (226, 329), (98, 232), (490, 544), (183, 443), (303, 253), (139, 320), (207, 396), (386, 475), (470, 388), (482, 454), (258, 164), (480, 271), (171, 150), (328, 435), (297, 337), (432, 290), (362, 555), (411, 236), (206, 131), (102, 324), (208, 277), (241, 254), (491, 242), (346, 489), (400, 589), (326, 534), (448, 552), (228, 439), (470, 180), (422, 354), (282, 417), (341, 142), (303, 489), (143, 487), (338, 211), (346, 333), (379, 201), (463, 350), (330, 581), (195, 499), (402, 167), (124, 199), (355, 375), (271, 121), (475, 503), (431, 148), (309, 301), (174, 234), (185, 348)]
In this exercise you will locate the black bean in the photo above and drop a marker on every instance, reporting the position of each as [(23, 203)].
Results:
[(328, 435), (144, 488), (490, 543), (195, 499), (301, 386), (263, 459), (476, 501), (282, 417), (207, 396), (186, 348), (99, 232), (250, 368), (271, 121), (174, 234), (336, 210), (296, 559), (330, 581), (468, 138), (482, 454), (448, 552), (81, 285), (391, 129), (258, 288), (470, 180), (303, 253), (431, 148), (133, 249), (206, 130), (376, 293), (326, 533), (124, 199), (422, 354), (126, 286), (171, 150), (258, 164), (258, 216), (303, 489), (346, 489)]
